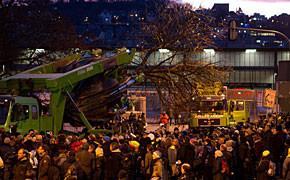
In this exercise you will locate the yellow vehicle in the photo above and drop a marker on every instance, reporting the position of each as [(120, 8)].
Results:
[(216, 110)]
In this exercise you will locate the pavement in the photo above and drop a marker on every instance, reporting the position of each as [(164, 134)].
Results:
[(153, 127)]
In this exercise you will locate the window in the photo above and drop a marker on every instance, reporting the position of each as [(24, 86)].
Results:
[(34, 112), (240, 106), (20, 112), (25, 114)]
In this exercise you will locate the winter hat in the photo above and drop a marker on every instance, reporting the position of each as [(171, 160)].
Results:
[(107, 138), (158, 154), (134, 145), (85, 146), (218, 153), (151, 136), (99, 152), (229, 149), (84, 140), (266, 153), (7, 140)]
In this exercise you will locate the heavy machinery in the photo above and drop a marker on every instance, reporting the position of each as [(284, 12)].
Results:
[(218, 108), (82, 89)]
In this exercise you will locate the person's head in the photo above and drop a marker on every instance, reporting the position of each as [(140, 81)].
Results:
[(156, 155), (218, 154), (185, 168), (223, 147), (175, 142), (21, 154), (149, 148), (274, 131), (265, 153), (41, 149), (114, 146), (163, 112), (91, 147), (99, 152), (176, 130)]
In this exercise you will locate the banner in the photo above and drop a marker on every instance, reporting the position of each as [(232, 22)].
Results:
[(269, 98)]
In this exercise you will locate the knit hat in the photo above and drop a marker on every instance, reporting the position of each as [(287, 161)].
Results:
[(218, 153), (99, 152), (7, 140), (151, 136), (158, 154), (107, 138), (266, 153)]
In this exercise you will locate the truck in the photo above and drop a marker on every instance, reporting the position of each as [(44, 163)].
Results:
[(83, 89), (217, 109)]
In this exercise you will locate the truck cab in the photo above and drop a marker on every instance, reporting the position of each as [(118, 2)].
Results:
[(20, 112)]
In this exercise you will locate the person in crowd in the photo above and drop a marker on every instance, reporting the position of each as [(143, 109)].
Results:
[(263, 166), (217, 166), (186, 173), (100, 161), (286, 167), (23, 169), (157, 173), (186, 151), (87, 161), (148, 162), (44, 162), (113, 162), (71, 168)]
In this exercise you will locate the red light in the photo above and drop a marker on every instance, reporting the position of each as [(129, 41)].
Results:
[(10, 126)]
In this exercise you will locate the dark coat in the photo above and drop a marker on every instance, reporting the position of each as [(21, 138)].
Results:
[(267, 139), (99, 172), (21, 170), (87, 161), (68, 163), (277, 145), (187, 153), (217, 168), (262, 169), (4, 149), (113, 165), (44, 165)]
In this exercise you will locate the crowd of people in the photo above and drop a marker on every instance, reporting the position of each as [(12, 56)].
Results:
[(252, 151)]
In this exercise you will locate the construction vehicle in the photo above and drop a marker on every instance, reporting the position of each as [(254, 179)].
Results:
[(215, 109), (82, 90)]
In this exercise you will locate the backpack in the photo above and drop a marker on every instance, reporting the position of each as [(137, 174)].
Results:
[(126, 160), (272, 169), (225, 167), (71, 173)]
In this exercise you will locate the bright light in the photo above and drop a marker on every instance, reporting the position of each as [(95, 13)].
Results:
[(212, 51), (251, 50), (163, 50)]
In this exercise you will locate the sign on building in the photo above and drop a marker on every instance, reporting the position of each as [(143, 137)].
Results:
[(259, 97), (269, 98)]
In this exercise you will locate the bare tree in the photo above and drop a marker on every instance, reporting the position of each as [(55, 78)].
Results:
[(185, 32), (32, 32)]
